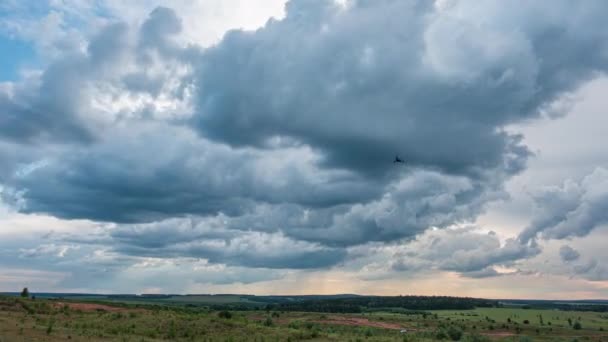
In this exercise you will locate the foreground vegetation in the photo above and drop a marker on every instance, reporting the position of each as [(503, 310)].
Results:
[(24, 319)]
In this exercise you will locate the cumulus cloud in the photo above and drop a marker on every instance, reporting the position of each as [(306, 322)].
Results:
[(420, 89), (572, 209), (464, 250), (83, 92), (420, 200)]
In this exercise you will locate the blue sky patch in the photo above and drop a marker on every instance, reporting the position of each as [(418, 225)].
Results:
[(14, 55)]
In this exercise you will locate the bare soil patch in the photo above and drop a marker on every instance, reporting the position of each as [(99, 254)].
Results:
[(499, 334), (362, 322)]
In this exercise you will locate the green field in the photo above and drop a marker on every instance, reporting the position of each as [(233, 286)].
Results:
[(61, 320), (543, 318)]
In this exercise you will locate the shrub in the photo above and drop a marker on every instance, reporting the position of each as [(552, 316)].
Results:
[(225, 314), (577, 325), (441, 335), (268, 322), (49, 328), (454, 333)]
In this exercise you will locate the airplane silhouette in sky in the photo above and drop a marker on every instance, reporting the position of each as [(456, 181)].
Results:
[(397, 160)]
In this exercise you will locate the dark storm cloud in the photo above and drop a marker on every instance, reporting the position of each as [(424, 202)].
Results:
[(155, 171), (572, 209), (437, 86), (568, 253), (333, 78)]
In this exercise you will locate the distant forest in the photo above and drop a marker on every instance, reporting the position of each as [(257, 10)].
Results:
[(357, 304)]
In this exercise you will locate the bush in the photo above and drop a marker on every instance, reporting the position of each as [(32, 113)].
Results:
[(225, 314), (268, 322), (25, 292), (577, 325), (454, 333), (49, 328), (441, 335)]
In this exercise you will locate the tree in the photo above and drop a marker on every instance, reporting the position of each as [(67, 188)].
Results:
[(577, 325), (25, 293)]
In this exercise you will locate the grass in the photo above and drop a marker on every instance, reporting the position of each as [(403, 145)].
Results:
[(49, 320), (543, 318)]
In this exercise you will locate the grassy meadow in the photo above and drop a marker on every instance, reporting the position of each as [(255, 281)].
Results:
[(63, 320)]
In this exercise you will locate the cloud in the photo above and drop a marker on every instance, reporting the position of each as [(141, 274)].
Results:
[(47, 250), (82, 93), (487, 272), (572, 209), (212, 242), (592, 270), (56, 105), (420, 89), (464, 250), (272, 149), (122, 180), (568, 253), (421, 199)]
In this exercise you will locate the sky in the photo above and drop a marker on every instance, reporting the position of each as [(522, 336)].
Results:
[(236, 146)]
